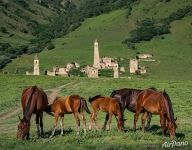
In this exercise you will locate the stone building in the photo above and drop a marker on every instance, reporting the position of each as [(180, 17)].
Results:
[(96, 62), (133, 65), (57, 71), (91, 72), (144, 56), (116, 71), (35, 67)]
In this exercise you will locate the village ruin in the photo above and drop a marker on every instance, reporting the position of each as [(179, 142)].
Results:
[(92, 71)]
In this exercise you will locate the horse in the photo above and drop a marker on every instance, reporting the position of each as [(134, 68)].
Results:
[(67, 105), (109, 105), (128, 99), (155, 102), (34, 101)]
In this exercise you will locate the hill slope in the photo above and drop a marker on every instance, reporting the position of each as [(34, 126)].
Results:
[(172, 51)]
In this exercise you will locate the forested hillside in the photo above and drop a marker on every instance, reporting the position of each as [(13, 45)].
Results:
[(124, 28)]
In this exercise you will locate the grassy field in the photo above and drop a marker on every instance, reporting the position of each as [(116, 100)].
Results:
[(172, 52), (12, 86)]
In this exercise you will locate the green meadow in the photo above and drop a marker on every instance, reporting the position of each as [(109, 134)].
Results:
[(12, 86)]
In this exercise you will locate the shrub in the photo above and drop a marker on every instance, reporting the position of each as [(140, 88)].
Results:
[(51, 46)]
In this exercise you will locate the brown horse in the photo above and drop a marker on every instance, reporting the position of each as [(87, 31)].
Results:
[(34, 100), (109, 105), (156, 103), (67, 105)]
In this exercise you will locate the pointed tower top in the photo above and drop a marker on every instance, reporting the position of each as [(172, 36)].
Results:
[(36, 56), (96, 41)]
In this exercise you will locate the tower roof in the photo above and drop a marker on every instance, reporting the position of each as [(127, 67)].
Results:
[(36, 56)]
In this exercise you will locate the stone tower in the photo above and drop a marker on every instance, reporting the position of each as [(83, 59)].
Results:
[(36, 66), (116, 71), (133, 64), (96, 63)]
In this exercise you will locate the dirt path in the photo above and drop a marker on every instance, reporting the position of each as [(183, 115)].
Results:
[(52, 94)]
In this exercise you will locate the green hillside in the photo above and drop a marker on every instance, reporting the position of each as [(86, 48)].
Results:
[(172, 51)]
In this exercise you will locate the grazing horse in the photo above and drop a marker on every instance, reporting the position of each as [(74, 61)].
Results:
[(109, 105), (34, 101), (128, 99), (67, 105), (150, 101)]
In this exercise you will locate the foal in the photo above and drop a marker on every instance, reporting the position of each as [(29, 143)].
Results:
[(109, 105), (67, 105)]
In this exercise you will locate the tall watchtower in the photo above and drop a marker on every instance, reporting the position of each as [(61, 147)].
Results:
[(36, 66), (96, 63)]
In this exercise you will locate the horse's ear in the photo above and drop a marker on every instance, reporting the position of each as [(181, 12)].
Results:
[(175, 119), (19, 117)]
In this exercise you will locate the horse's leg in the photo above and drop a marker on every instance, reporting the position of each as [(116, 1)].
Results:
[(166, 126), (143, 119), (138, 110), (106, 120), (77, 122), (162, 122), (41, 123), (37, 124), (95, 121), (149, 116), (109, 121), (27, 136), (55, 124), (84, 122), (62, 124), (91, 121)]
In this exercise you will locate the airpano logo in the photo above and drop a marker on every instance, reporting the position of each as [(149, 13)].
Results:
[(174, 144)]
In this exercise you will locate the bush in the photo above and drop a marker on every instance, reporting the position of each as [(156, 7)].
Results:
[(51, 46), (22, 3), (4, 30)]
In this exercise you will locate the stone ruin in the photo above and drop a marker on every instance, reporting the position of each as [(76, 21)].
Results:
[(101, 63), (145, 57), (91, 72), (62, 71), (133, 65), (35, 67)]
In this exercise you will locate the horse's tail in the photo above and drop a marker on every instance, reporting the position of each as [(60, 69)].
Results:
[(83, 106), (168, 105), (28, 100), (48, 110)]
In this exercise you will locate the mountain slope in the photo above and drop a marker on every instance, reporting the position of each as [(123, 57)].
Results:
[(172, 51)]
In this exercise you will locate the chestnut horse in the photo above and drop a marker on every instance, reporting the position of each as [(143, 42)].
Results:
[(67, 105), (34, 101), (128, 99), (150, 101), (109, 105)]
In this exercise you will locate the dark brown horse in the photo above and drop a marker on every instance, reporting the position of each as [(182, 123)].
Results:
[(128, 99), (67, 105), (150, 101), (34, 101), (109, 105)]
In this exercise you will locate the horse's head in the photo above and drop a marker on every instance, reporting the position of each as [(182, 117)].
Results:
[(120, 124), (172, 128), (23, 128)]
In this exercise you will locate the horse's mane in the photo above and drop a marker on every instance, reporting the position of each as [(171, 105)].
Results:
[(170, 109), (29, 99), (94, 98), (152, 88)]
